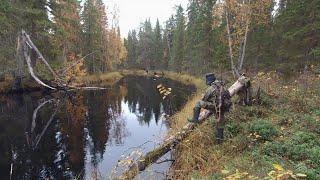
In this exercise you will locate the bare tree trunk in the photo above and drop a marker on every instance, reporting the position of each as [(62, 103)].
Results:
[(28, 60), (233, 67), (244, 45), (40, 56), (20, 66)]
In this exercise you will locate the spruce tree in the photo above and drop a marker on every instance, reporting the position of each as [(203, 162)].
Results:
[(178, 51), (158, 46)]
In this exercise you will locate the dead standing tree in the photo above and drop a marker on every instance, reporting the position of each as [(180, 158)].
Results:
[(24, 48)]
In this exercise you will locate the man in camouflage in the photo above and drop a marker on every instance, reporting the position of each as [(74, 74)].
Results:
[(217, 100)]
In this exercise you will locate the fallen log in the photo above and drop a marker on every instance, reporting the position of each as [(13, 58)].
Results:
[(143, 162)]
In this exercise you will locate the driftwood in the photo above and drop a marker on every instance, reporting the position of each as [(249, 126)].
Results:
[(143, 162)]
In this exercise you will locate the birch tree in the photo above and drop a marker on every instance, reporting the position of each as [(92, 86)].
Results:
[(239, 15)]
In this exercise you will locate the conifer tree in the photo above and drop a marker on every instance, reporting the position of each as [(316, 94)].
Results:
[(67, 36), (178, 52), (158, 46), (95, 35)]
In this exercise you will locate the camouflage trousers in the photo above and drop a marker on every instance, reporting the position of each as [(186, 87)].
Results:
[(220, 122)]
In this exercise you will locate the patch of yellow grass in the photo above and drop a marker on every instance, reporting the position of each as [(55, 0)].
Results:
[(107, 79)]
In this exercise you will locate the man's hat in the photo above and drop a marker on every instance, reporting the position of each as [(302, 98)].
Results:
[(210, 78)]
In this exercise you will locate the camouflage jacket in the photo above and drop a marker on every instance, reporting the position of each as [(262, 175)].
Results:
[(212, 92)]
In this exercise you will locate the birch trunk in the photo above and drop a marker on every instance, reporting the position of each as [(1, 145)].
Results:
[(233, 67)]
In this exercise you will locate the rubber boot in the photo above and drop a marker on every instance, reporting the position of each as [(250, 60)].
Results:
[(196, 113), (219, 135)]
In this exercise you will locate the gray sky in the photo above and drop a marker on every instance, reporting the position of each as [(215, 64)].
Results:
[(133, 12)]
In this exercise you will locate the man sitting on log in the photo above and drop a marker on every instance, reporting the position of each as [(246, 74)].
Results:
[(217, 100)]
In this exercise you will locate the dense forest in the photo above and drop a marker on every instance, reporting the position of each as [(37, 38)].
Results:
[(81, 100), (212, 34), (63, 31), (208, 35)]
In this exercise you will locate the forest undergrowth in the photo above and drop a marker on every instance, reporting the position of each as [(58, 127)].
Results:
[(275, 139)]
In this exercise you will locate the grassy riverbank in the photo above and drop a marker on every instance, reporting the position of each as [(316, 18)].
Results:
[(277, 138)]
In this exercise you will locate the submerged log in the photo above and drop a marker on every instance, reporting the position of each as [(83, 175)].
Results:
[(143, 162)]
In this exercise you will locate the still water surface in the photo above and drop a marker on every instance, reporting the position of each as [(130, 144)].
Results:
[(83, 135)]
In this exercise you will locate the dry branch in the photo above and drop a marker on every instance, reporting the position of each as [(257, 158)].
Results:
[(28, 60), (40, 56), (25, 43)]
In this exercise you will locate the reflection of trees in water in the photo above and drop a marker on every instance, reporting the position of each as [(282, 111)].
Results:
[(28, 163), (61, 152), (145, 101), (142, 98), (97, 124), (73, 128), (118, 130)]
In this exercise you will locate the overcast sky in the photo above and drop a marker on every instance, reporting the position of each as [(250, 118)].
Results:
[(133, 12)]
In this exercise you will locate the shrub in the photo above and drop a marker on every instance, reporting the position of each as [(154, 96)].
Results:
[(301, 147), (265, 129), (233, 129)]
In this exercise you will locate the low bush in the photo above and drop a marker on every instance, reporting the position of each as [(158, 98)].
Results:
[(263, 128), (301, 147)]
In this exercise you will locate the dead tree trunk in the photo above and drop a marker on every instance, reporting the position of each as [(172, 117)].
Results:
[(24, 48), (20, 66), (151, 157)]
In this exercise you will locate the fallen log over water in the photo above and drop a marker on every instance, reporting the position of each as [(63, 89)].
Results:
[(242, 84), (143, 162)]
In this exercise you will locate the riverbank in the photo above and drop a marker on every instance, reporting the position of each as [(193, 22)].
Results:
[(277, 138)]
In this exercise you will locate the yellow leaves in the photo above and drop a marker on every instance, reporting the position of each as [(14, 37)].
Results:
[(260, 74), (76, 71), (255, 136), (280, 173), (277, 167), (164, 91), (238, 175)]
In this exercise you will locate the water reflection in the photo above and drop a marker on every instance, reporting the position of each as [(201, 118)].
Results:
[(88, 133)]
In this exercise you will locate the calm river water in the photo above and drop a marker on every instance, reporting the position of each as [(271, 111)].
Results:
[(86, 135)]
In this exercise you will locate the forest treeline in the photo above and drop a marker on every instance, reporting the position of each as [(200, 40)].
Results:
[(64, 31), (210, 34)]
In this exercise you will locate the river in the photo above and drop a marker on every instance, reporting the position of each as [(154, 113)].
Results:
[(87, 134)]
